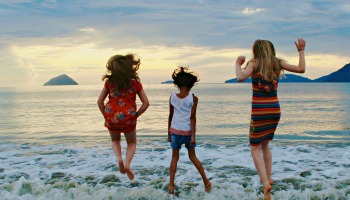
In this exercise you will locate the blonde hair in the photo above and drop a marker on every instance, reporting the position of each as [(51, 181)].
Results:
[(121, 70), (265, 60)]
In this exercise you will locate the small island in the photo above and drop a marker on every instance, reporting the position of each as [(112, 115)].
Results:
[(167, 82), (61, 80)]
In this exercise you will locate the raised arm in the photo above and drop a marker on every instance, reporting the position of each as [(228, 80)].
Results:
[(300, 68), (145, 103), (242, 75)]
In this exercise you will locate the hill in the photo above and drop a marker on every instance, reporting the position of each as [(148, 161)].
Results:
[(61, 80), (342, 75), (289, 78), (167, 82)]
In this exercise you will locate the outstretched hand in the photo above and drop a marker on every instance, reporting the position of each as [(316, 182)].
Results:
[(301, 44), (240, 60), (193, 141)]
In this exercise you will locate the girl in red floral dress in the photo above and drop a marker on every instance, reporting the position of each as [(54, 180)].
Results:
[(120, 112)]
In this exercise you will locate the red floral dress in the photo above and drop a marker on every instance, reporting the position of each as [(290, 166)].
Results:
[(120, 110)]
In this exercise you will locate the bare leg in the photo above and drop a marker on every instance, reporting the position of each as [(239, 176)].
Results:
[(260, 168), (198, 164), (115, 137), (173, 167), (268, 161), (130, 152)]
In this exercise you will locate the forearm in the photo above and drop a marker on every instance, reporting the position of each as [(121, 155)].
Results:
[(193, 127), (301, 64), (142, 109), (239, 72), (101, 106), (169, 124)]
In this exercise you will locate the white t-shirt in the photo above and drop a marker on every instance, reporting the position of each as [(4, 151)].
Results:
[(182, 112)]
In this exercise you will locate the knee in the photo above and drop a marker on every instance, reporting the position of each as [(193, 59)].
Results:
[(131, 143), (255, 148), (115, 141), (175, 156), (192, 156), (265, 145)]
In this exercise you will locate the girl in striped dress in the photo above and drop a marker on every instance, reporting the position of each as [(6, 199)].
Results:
[(264, 69)]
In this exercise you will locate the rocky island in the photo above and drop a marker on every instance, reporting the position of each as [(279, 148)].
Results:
[(61, 80)]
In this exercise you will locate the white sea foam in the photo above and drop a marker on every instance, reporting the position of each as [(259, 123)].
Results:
[(74, 171)]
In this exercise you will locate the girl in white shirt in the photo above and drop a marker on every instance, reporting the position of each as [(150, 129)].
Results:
[(182, 123)]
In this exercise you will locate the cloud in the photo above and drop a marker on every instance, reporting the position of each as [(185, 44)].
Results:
[(87, 29), (251, 11), (78, 36)]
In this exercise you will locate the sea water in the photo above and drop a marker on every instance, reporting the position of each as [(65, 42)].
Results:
[(53, 145)]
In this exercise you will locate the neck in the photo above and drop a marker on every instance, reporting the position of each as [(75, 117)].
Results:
[(184, 90)]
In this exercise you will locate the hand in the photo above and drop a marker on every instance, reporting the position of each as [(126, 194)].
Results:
[(300, 45), (169, 138), (193, 141), (240, 60)]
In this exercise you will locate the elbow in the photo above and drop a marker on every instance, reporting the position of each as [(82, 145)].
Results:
[(145, 104), (301, 71), (239, 79)]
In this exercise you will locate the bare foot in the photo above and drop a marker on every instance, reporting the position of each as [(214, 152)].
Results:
[(171, 189), (130, 173), (267, 190), (207, 186), (121, 167)]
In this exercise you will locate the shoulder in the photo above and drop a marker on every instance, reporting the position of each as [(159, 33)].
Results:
[(172, 96), (251, 63), (195, 98), (137, 85), (108, 84), (282, 62)]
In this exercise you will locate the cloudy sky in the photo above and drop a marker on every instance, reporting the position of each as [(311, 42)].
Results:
[(41, 39)]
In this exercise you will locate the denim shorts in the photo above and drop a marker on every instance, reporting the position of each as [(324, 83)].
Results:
[(178, 140)]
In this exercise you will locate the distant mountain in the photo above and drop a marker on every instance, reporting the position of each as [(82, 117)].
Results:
[(294, 78), (342, 75), (234, 80), (289, 78), (61, 80), (167, 82)]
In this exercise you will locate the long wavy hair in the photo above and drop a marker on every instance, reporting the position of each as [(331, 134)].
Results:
[(121, 70), (265, 60)]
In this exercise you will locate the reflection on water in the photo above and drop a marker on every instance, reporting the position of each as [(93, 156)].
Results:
[(70, 113)]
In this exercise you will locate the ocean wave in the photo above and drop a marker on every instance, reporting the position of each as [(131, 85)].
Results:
[(77, 171)]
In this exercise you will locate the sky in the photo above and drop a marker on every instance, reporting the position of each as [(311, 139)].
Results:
[(42, 39)]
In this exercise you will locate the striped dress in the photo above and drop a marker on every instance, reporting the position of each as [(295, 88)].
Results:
[(266, 111)]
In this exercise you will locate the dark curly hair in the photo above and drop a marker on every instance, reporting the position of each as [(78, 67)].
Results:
[(184, 78), (121, 70)]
